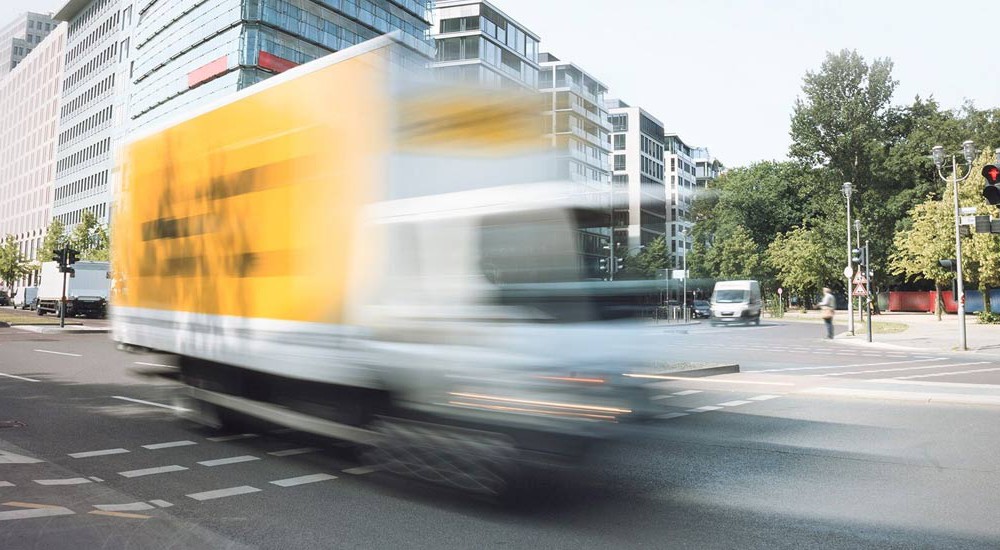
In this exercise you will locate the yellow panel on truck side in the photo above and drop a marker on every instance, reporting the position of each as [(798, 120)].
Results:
[(250, 209)]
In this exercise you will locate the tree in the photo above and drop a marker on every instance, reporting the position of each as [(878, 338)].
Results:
[(804, 260), (917, 249), (13, 264), (90, 238), (644, 265), (55, 239)]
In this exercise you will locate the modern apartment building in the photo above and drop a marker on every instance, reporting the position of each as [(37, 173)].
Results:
[(19, 37), (91, 118), (681, 189), (190, 52), (637, 173), (476, 42), (29, 125), (706, 167)]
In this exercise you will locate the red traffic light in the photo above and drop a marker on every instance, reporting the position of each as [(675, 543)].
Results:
[(992, 173)]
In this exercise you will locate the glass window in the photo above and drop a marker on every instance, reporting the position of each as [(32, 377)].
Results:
[(619, 142), (451, 25), (449, 49), (470, 23), (619, 162), (471, 44)]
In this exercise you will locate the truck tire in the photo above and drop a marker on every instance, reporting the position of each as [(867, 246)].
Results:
[(39, 311)]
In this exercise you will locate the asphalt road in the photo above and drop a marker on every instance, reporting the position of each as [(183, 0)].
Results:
[(92, 456)]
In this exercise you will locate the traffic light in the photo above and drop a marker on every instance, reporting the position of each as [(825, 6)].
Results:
[(603, 264), (857, 256), (950, 265), (992, 190), (72, 256), (59, 256), (619, 264)]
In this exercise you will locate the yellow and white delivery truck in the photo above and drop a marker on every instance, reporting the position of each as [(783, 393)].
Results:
[(356, 251)]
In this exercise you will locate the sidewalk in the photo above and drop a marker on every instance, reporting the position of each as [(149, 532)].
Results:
[(923, 332)]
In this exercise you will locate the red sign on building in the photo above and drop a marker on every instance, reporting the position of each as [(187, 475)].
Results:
[(274, 63), (207, 71)]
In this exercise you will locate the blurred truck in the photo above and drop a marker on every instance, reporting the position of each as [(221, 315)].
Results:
[(354, 250), (87, 289)]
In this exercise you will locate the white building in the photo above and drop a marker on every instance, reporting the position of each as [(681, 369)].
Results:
[(91, 117), (29, 122), (476, 42), (681, 189), (19, 37), (637, 172)]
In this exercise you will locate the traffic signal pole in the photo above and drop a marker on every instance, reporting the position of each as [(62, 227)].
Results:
[(958, 260), (62, 306), (868, 285)]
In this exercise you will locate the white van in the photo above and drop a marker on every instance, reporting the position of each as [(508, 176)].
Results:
[(736, 302)]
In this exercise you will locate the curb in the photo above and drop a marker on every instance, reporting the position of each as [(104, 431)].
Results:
[(691, 372), (50, 329), (897, 395)]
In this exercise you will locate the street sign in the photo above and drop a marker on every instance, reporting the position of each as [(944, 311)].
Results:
[(859, 279), (967, 210), (967, 220), (848, 271), (859, 291), (780, 291)]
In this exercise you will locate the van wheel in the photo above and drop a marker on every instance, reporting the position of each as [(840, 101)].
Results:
[(757, 320)]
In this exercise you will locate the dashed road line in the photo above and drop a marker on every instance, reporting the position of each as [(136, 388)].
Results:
[(102, 452), (658, 397), (152, 471), (706, 408), (222, 493), (687, 392), (168, 444), (294, 452), (735, 403), (33, 511), (763, 397), (230, 460), (360, 470), (7, 484), (936, 374), (905, 369), (143, 363), (150, 403), (97, 479), (58, 353), (236, 437), (302, 480), (16, 377), (668, 416), (67, 481), (128, 507), (161, 503), (854, 365)]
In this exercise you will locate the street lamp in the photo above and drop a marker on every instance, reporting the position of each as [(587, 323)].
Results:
[(969, 152), (846, 189)]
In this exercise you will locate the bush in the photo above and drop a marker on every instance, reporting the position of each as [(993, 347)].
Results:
[(988, 318)]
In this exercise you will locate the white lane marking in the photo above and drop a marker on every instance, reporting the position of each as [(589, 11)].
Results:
[(102, 452), (143, 363), (734, 403), (706, 408), (972, 371), (230, 460), (129, 507), (150, 403), (222, 493), (221, 438), (905, 368), (725, 380), (152, 471), (687, 392), (763, 397), (97, 479), (33, 511), (360, 470), (16, 377), (853, 366), (302, 480), (668, 416), (13, 458), (67, 481), (7, 484), (58, 353), (658, 397), (293, 452), (161, 503), (168, 444)]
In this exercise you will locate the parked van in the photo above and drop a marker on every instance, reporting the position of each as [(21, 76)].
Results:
[(26, 297), (736, 302)]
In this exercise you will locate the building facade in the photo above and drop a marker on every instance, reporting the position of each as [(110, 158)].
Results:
[(706, 167), (29, 109), (476, 42), (190, 52), (19, 37), (637, 177), (681, 189), (91, 118)]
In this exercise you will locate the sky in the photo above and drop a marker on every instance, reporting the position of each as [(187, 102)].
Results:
[(725, 74)]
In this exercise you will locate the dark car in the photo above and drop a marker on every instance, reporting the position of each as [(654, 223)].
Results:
[(4, 298), (702, 309)]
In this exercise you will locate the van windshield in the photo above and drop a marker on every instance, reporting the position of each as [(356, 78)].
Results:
[(730, 296)]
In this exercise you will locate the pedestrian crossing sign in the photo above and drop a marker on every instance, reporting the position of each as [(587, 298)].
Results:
[(859, 279), (859, 290)]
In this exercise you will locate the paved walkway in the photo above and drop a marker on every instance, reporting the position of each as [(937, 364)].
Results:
[(924, 332)]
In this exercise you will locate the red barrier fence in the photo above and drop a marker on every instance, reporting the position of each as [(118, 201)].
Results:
[(922, 301)]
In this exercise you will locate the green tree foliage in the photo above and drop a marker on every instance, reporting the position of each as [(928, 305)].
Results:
[(929, 238), (55, 239), (644, 265), (90, 238), (13, 264), (734, 255), (805, 260)]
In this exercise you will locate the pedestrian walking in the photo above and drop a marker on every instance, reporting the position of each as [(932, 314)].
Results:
[(827, 306)]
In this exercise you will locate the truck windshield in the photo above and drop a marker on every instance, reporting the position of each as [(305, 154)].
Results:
[(536, 247), (729, 296)]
